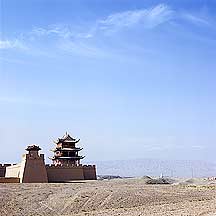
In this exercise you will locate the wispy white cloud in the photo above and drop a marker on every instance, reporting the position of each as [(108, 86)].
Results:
[(62, 31), (11, 44), (83, 39), (58, 31), (148, 18), (195, 19), (81, 48)]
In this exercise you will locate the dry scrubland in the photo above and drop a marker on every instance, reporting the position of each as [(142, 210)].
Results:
[(114, 197)]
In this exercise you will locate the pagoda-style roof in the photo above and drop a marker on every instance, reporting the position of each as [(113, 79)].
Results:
[(67, 138), (62, 157), (33, 148), (66, 149)]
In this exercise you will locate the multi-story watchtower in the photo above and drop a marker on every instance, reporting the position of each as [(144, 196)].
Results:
[(66, 152)]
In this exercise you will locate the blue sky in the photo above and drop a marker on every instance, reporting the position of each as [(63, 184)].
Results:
[(132, 79)]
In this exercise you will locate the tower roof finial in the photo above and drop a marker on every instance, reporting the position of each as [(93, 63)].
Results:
[(33, 148)]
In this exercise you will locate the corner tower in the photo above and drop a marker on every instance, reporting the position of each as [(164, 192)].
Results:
[(32, 168), (66, 152)]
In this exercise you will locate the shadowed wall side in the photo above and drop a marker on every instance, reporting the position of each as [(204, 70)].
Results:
[(33, 170), (89, 172), (3, 169)]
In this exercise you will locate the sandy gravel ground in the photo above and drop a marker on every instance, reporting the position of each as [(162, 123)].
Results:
[(114, 197)]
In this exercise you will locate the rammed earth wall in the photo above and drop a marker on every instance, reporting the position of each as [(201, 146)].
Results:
[(89, 172), (3, 169), (69, 173), (13, 171), (9, 180)]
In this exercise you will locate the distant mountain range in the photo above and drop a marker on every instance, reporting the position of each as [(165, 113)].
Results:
[(153, 167)]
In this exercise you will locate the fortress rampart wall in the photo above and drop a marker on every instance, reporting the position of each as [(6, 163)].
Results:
[(3, 169), (64, 173), (89, 172), (29, 169), (71, 172), (13, 171), (9, 180)]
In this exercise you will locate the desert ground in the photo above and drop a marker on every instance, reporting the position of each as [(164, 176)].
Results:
[(109, 197)]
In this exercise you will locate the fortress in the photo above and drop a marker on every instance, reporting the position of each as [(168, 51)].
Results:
[(65, 165)]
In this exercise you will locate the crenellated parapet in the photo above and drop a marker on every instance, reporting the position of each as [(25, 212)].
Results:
[(69, 166), (89, 166), (66, 166), (6, 165)]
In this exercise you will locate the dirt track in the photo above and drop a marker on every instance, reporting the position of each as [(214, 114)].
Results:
[(114, 197)]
